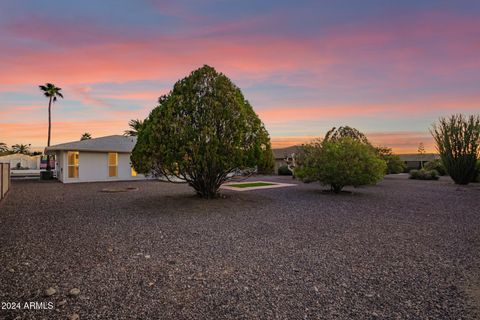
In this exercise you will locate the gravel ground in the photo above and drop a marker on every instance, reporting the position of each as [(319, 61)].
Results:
[(403, 249)]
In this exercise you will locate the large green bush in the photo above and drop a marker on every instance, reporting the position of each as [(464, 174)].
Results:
[(340, 162), (457, 138), (201, 133)]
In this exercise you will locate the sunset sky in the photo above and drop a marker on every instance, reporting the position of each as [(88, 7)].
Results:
[(388, 68)]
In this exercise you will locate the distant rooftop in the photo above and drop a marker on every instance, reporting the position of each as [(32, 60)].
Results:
[(115, 143), (419, 157)]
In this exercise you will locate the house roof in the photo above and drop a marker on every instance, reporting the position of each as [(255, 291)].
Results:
[(419, 157), (115, 143), (282, 153)]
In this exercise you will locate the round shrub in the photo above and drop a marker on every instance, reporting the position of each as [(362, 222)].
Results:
[(340, 162), (284, 171)]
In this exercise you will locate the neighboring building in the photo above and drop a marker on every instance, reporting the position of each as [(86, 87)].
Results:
[(93, 160), (414, 160), (282, 154)]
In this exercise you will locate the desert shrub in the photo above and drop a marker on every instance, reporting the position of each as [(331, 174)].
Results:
[(437, 165), (457, 139), (201, 133), (424, 174), (340, 162), (284, 171), (394, 164)]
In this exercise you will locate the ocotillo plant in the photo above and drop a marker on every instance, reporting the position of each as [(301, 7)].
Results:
[(457, 138)]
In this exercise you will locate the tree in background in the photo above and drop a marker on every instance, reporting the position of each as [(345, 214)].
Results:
[(340, 162), (201, 133), (3, 147), (135, 125), (394, 164), (457, 140), (21, 148), (86, 136), (51, 92), (421, 152)]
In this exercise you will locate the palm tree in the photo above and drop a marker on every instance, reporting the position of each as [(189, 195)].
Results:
[(135, 125), (3, 147), (21, 148), (86, 136), (51, 92)]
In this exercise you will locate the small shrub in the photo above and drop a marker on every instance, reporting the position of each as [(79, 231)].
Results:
[(424, 174), (284, 171), (436, 165)]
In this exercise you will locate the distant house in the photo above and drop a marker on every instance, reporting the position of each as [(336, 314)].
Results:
[(414, 160), (100, 159)]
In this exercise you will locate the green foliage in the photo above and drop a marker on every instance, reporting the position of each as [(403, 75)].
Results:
[(340, 162), (284, 171), (201, 132), (266, 161), (424, 174), (21, 148), (437, 165), (86, 136), (394, 164), (135, 126), (51, 91), (457, 139)]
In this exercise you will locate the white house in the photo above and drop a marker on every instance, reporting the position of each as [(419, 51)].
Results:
[(99, 159)]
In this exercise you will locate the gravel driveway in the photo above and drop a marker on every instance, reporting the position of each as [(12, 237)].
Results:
[(403, 249)]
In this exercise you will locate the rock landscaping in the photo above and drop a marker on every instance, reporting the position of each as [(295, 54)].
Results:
[(403, 249)]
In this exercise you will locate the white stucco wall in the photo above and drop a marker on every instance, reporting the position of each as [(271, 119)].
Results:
[(93, 167)]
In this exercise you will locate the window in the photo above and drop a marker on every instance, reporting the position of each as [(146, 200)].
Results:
[(112, 164), (73, 157), (134, 173)]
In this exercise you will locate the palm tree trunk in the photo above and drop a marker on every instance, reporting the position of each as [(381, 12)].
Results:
[(49, 131)]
